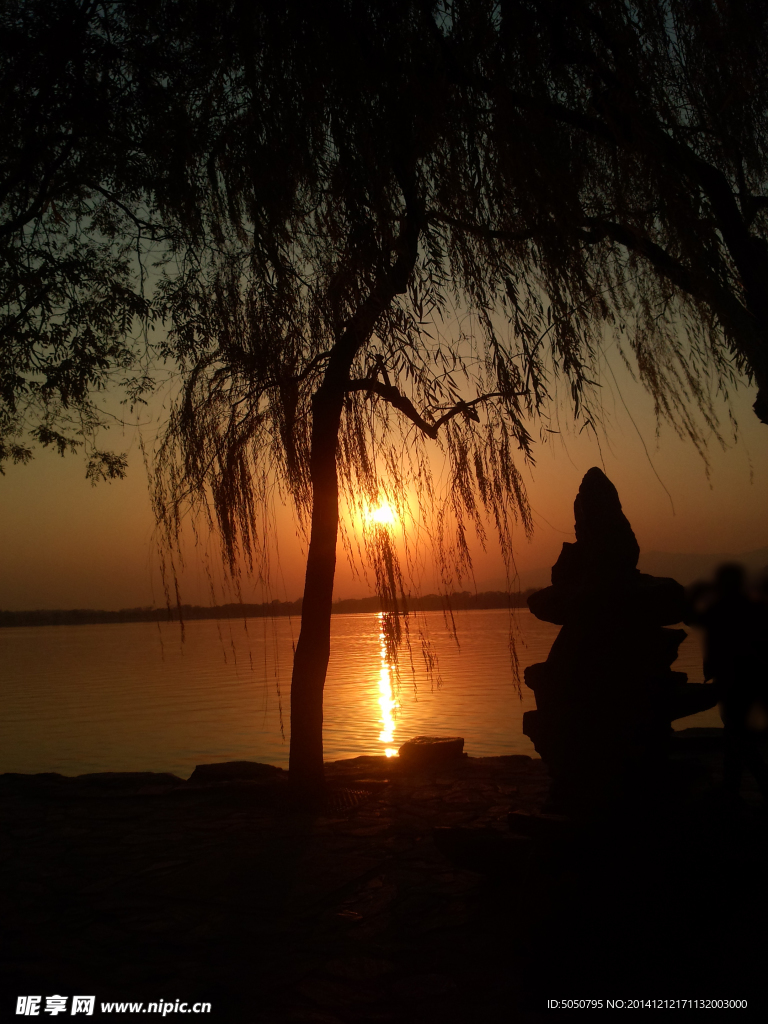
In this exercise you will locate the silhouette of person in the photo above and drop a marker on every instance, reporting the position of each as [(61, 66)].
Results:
[(736, 657)]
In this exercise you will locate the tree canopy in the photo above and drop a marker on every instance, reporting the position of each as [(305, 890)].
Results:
[(633, 133), (71, 195), (664, 104)]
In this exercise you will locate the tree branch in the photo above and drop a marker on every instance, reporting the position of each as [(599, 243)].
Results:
[(703, 287), (390, 282), (397, 399), (38, 204), (483, 231), (142, 225), (468, 408), (730, 311), (390, 394)]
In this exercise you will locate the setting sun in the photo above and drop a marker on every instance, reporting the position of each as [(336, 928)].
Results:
[(384, 515)]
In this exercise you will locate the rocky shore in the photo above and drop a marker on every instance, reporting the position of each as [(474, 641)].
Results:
[(412, 895)]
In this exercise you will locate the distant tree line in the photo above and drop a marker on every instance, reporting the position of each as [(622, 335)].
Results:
[(188, 612)]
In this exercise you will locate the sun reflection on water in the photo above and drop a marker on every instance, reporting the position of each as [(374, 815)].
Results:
[(387, 700)]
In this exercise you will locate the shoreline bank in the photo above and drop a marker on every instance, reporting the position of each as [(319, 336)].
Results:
[(135, 888)]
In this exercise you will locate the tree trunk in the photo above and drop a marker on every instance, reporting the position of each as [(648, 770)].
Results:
[(310, 662)]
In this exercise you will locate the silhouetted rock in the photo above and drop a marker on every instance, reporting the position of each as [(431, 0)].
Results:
[(605, 538), (652, 600), (606, 694), (697, 740), (422, 751), (229, 771), (93, 783), (691, 698), (126, 780), (38, 779)]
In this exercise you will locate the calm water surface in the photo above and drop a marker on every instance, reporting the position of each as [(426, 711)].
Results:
[(132, 697)]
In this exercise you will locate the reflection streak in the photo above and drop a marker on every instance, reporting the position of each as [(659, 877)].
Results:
[(387, 700)]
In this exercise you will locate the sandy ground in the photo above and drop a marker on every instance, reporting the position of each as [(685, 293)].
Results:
[(149, 888)]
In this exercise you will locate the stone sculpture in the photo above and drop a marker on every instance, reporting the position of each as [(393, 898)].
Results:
[(606, 695)]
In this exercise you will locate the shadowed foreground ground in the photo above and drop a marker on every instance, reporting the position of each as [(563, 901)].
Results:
[(139, 889)]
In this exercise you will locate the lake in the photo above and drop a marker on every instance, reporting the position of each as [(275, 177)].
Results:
[(133, 697)]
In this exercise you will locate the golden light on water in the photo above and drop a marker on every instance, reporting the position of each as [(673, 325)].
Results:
[(387, 701)]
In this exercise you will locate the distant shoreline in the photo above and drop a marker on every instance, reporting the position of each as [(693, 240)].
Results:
[(272, 609)]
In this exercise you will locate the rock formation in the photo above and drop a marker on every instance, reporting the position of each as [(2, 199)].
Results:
[(606, 695), (425, 751)]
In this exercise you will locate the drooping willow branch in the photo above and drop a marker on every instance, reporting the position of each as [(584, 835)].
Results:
[(397, 399)]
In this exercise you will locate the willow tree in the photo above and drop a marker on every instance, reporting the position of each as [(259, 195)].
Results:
[(350, 174), (309, 302)]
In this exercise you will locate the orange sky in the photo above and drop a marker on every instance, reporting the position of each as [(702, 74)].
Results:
[(67, 544)]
